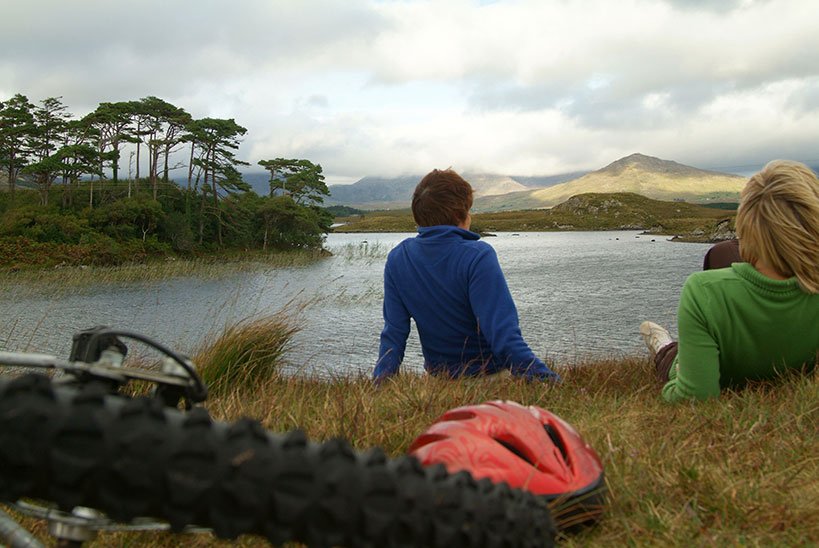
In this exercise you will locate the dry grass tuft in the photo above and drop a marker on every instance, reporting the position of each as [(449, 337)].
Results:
[(246, 354)]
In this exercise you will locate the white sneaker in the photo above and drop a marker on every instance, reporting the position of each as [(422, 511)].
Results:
[(655, 337)]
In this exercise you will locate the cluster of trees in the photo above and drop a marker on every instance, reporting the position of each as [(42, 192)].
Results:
[(64, 183)]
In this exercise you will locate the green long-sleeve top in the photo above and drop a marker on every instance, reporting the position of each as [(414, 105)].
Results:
[(736, 325)]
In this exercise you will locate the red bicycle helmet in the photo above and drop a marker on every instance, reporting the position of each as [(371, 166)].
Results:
[(526, 447)]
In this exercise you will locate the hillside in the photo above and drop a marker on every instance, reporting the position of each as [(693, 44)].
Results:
[(640, 174), (374, 193), (390, 193), (593, 211), (637, 173)]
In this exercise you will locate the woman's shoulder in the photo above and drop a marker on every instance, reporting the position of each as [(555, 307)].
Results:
[(713, 277), (742, 279)]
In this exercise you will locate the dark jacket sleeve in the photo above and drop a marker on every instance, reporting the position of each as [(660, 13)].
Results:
[(395, 332), (497, 317)]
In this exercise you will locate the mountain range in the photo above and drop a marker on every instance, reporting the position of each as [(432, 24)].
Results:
[(396, 192), (637, 173)]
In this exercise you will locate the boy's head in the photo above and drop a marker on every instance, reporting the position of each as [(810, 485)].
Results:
[(441, 198), (778, 221)]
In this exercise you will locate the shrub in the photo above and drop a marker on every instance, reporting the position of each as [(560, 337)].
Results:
[(153, 247), (43, 225), (101, 249), (175, 228)]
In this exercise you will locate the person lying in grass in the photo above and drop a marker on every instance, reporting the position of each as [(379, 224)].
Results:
[(452, 285), (758, 318)]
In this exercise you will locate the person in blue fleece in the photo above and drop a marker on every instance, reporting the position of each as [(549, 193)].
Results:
[(452, 285)]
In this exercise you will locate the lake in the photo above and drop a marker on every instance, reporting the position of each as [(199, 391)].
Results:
[(580, 296)]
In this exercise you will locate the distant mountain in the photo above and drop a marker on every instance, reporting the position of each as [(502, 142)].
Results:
[(259, 181), (374, 193), (543, 181), (640, 174), (484, 184), (23, 182), (396, 192)]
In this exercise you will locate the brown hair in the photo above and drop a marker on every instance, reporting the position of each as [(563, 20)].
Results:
[(441, 198), (778, 221)]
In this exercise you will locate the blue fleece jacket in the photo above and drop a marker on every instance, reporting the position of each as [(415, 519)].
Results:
[(453, 286)]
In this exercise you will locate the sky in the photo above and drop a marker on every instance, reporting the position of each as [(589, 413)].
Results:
[(388, 87)]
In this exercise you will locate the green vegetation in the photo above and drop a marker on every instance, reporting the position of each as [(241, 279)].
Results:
[(393, 220), (59, 208), (728, 206), (343, 211), (596, 211)]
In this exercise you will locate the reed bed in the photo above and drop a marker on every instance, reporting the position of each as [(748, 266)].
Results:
[(73, 277), (363, 251)]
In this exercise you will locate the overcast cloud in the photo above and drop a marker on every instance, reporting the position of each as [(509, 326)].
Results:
[(520, 87)]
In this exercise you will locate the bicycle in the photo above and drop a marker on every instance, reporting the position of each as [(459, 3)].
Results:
[(101, 459)]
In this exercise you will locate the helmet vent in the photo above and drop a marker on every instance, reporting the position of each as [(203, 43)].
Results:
[(514, 450), (459, 415), (550, 431)]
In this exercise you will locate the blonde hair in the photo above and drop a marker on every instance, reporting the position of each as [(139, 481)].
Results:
[(778, 221)]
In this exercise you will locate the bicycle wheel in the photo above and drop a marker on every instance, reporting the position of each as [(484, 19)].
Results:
[(133, 457)]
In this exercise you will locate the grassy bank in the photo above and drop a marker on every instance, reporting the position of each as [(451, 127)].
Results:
[(742, 469), (739, 470)]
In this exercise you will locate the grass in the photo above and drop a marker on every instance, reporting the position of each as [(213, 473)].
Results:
[(398, 220), (739, 470)]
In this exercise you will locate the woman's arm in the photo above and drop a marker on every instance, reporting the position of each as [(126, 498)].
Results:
[(695, 373)]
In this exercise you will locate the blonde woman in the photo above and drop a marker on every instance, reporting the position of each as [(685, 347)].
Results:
[(759, 317)]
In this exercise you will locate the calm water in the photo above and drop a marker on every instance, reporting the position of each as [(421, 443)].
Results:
[(579, 295)]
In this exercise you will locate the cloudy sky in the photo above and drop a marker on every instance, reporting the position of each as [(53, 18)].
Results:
[(518, 87)]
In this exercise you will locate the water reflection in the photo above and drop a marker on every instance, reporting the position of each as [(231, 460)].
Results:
[(579, 295)]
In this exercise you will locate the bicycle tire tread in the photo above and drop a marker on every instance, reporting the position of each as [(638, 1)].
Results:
[(131, 458)]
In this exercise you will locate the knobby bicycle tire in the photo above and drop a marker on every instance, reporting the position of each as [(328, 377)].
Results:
[(132, 457)]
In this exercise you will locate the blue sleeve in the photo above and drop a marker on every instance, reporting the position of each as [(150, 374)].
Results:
[(395, 332), (497, 318)]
